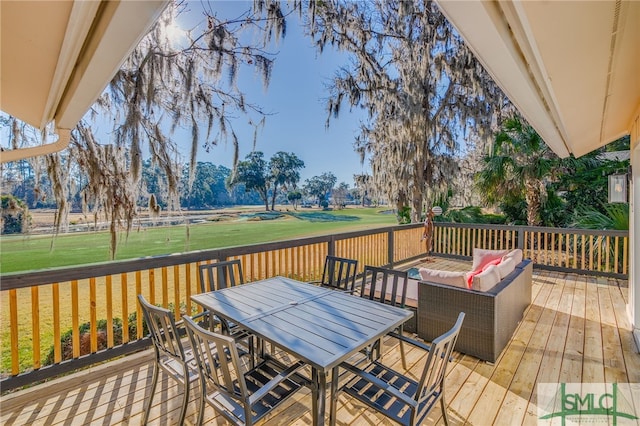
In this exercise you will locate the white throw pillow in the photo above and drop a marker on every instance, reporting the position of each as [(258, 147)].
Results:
[(453, 278), (487, 279), (515, 254), (507, 266), (481, 257)]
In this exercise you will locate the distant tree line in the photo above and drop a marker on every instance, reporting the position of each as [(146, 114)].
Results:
[(256, 181)]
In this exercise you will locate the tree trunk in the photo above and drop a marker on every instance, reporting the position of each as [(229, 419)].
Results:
[(416, 205), (273, 198), (533, 196)]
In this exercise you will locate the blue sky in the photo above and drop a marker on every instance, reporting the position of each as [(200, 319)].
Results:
[(296, 97)]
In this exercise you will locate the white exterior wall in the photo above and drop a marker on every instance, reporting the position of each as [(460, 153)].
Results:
[(633, 307)]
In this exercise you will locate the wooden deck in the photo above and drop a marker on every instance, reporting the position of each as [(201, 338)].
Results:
[(575, 330)]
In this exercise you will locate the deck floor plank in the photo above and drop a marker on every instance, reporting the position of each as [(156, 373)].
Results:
[(576, 329)]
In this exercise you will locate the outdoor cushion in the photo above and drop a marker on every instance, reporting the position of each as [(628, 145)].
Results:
[(412, 290), (487, 279), (507, 266), (453, 278), (482, 257), (516, 254), (473, 273)]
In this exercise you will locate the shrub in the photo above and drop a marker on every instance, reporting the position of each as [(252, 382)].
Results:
[(66, 339), (15, 215)]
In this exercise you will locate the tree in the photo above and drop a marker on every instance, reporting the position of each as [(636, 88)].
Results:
[(519, 164), (284, 172), (320, 186), (161, 87), (294, 198), (422, 87), (340, 194), (15, 215), (362, 185), (208, 189), (253, 173), (584, 180)]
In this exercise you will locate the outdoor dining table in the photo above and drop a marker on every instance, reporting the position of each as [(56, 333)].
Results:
[(319, 326)]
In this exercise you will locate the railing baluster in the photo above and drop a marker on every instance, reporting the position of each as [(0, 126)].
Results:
[(57, 352), (109, 302), (583, 251), (152, 286), (164, 285), (591, 249), (125, 307), (35, 326), (616, 242), (607, 261), (93, 321), (13, 314), (176, 291), (625, 255), (138, 309), (188, 290), (75, 320)]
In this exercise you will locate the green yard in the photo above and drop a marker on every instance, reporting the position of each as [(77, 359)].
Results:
[(33, 252)]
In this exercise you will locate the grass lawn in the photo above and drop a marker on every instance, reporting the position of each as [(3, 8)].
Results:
[(34, 252)]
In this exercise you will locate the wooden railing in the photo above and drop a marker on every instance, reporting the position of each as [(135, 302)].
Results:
[(587, 251), (73, 317)]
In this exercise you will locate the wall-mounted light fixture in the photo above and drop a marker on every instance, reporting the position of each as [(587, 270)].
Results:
[(618, 188)]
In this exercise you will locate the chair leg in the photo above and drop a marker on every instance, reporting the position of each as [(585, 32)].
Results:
[(444, 410), (404, 359), (402, 355), (185, 396), (154, 382), (203, 391)]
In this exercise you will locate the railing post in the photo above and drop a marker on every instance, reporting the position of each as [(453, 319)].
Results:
[(390, 247), (521, 237), (331, 246)]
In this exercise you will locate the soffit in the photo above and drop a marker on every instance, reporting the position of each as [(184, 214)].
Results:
[(572, 68)]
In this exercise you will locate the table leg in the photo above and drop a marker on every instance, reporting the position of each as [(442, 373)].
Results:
[(318, 395), (334, 397)]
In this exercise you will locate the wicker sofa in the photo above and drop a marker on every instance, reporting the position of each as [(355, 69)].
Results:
[(491, 316)]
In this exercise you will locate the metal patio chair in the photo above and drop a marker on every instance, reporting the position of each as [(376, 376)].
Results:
[(218, 276), (171, 357), (387, 286), (241, 394), (339, 273), (395, 395)]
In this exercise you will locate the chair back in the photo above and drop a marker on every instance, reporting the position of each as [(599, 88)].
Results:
[(432, 379), (339, 273), (222, 373), (387, 286), (163, 330), (219, 275)]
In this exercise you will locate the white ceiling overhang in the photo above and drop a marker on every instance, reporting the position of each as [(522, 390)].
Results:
[(572, 68), (58, 56)]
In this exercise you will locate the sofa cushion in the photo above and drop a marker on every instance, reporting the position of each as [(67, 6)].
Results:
[(482, 257), (453, 278), (515, 254), (506, 266), (487, 279), (469, 276), (412, 290)]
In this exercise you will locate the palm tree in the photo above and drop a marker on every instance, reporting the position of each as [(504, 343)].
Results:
[(520, 163)]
